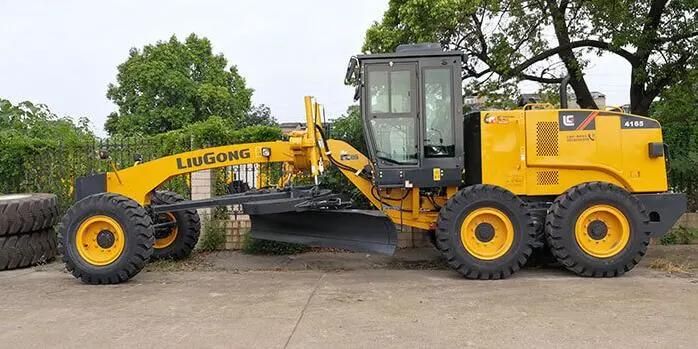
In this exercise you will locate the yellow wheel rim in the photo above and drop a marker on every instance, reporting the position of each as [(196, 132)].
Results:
[(487, 233), (602, 231), (100, 240), (171, 236)]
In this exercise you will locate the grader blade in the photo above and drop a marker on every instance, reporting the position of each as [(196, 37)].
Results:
[(350, 229)]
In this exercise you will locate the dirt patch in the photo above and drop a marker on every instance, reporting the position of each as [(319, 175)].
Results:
[(675, 260), (680, 260), (668, 266), (198, 261)]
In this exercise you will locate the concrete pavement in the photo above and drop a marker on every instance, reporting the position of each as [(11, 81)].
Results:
[(358, 308)]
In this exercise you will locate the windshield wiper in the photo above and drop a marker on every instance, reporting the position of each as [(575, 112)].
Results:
[(393, 161)]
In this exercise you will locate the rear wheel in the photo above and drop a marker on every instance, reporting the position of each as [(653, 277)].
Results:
[(597, 229), (176, 233), (105, 238), (485, 232)]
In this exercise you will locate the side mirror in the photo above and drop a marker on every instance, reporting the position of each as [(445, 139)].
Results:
[(351, 77)]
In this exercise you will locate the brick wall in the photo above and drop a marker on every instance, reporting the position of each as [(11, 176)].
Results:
[(202, 188), (236, 229)]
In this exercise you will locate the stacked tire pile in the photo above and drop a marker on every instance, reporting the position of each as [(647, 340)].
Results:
[(27, 237)]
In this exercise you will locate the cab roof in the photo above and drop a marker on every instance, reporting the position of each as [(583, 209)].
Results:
[(413, 50)]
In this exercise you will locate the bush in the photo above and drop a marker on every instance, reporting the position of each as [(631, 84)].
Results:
[(32, 138), (213, 237), (41, 152), (680, 236), (266, 247)]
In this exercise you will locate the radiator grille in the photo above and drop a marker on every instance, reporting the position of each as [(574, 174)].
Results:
[(546, 138), (548, 177)]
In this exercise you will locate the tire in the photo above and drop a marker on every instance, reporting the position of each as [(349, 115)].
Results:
[(594, 251), (188, 228), (25, 213), (119, 226), (25, 250), (486, 199)]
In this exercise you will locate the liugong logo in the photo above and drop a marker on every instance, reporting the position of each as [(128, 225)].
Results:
[(212, 158)]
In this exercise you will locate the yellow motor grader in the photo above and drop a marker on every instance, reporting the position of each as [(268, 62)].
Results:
[(491, 186)]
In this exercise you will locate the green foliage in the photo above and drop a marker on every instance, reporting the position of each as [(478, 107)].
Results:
[(267, 247), (678, 113), (680, 236), (30, 136), (213, 234), (349, 128), (172, 84), (216, 131), (509, 41), (41, 152)]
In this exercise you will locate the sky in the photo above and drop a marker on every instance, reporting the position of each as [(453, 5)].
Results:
[(65, 53)]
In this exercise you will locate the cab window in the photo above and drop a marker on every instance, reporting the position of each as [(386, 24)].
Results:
[(391, 118), (438, 112)]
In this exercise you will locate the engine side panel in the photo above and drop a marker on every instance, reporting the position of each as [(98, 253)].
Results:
[(545, 152)]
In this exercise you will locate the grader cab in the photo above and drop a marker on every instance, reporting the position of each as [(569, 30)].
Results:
[(490, 186)]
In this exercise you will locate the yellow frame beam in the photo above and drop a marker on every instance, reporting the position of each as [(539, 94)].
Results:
[(138, 181)]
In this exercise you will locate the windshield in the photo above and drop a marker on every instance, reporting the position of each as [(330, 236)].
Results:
[(391, 114)]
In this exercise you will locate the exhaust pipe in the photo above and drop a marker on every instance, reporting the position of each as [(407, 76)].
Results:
[(563, 91)]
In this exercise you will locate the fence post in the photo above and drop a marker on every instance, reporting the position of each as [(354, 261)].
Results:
[(202, 188)]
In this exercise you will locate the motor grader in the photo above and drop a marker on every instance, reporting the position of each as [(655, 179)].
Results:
[(489, 186)]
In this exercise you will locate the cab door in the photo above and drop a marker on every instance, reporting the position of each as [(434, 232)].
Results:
[(391, 117)]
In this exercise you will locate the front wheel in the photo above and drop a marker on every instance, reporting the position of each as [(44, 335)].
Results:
[(105, 238), (485, 232)]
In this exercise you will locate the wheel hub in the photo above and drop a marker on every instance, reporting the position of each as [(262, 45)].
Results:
[(487, 233), (602, 231), (105, 239), (100, 240), (484, 232), (597, 230)]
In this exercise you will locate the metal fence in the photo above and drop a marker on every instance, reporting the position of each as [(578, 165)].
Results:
[(55, 171)]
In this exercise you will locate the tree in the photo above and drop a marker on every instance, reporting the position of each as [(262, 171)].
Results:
[(349, 128), (172, 84), (506, 41), (260, 115), (37, 121)]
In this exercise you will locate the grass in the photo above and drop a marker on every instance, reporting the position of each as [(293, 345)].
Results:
[(680, 236), (213, 234)]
